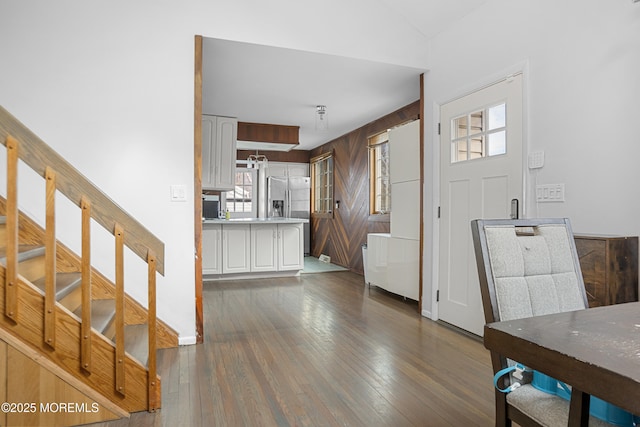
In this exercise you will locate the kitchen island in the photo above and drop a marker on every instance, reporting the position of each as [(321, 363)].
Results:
[(252, 247)]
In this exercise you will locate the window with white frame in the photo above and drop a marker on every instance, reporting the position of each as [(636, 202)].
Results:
[(322, 185), (379, 180), (240, 201)]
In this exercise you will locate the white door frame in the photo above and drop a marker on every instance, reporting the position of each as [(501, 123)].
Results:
[(522, 67)]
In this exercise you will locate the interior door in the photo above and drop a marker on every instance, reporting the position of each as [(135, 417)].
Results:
[(480, 174)]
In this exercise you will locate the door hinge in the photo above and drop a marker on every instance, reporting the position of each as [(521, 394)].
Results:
[(438, 128), (438, 211), (438, 295)]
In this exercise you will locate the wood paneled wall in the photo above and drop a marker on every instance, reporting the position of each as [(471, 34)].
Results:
[(342, 236)]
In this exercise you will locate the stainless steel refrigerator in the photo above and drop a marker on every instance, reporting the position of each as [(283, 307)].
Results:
[(290, 197)]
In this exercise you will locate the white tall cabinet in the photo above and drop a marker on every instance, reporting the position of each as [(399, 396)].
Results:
[(404, 243), (219, 135), (394, 259)]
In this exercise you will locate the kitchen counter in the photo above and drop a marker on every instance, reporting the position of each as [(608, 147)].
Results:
[(252, 247), (276, 220)]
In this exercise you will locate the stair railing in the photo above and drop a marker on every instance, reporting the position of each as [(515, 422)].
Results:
[(60, 176)]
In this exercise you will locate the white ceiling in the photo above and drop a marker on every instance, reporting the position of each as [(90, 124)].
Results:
[(265, 84)]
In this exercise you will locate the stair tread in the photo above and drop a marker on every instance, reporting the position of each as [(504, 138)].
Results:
[(102, 313), (25, 252), (65, 283)]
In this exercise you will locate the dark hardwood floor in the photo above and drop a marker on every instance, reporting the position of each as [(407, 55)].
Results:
[(320, 350)]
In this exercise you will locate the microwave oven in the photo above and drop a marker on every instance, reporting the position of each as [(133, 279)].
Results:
[(210, 209)]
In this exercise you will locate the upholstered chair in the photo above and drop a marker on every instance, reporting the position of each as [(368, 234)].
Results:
[(527, 268)]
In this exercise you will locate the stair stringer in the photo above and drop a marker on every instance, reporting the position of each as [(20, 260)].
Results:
[(30, 379), (65, 360)]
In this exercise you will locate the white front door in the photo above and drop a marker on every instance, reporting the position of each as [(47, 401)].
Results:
[(480, 175)]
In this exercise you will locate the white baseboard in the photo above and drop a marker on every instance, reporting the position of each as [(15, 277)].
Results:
[(190, 340), (427, 314)]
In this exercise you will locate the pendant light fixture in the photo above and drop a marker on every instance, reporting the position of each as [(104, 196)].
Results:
[(322, 119), (257, 161)]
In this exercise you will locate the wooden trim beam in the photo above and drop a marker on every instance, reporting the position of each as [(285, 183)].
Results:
[(274, 134), (197, 186), (421, 251), (70, 182)]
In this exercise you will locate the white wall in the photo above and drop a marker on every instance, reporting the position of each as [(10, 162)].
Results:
[(109, 85), (581, 61)]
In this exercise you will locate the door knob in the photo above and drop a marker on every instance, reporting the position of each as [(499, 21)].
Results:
[(514, 209)]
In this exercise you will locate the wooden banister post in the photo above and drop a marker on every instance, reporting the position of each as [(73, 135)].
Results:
[(50, 260), (120, 357), (11, 281), (85, 335), (154, 387)]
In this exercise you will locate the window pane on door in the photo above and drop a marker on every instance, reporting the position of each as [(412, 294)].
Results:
[(497, 143), (460, 127), (476, 122), (459, 149), (479, 134), (476, 149), (497, 117)]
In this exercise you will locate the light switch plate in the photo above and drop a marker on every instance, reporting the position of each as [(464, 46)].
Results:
[(179, 193), (550, 193)]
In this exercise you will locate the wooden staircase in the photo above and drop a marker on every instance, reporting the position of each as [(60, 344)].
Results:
[(59, 313)]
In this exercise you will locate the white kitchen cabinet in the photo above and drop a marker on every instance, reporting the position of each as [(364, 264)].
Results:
[(276, 169), (212, 249), (236, 248), (219, 135), (290, 247), (264, 247), (298, 169), (287, 169), (277, 247), (252, 247)]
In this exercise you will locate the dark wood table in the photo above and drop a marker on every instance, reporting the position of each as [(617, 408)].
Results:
[(596, 351)]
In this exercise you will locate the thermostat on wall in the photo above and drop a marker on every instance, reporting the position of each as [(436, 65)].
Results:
[(536, 159)]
